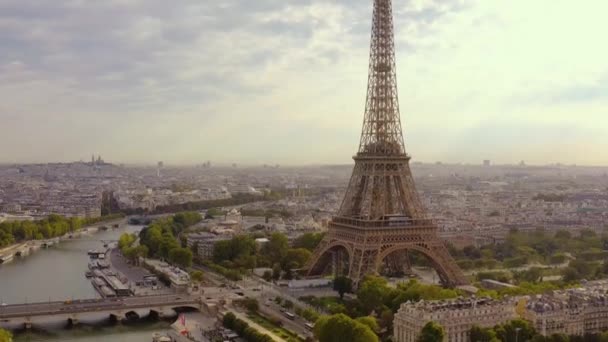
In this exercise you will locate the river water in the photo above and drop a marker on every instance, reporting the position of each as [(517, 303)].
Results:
[(57, 273)]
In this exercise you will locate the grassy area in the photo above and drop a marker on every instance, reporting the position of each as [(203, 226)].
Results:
[(275, 328)]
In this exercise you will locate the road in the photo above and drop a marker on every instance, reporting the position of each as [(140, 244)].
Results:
[(271, 309)]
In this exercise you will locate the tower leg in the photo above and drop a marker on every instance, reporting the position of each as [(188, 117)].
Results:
[(364, 262)]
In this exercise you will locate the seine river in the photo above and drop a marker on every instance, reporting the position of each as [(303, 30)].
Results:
[(57, 273)]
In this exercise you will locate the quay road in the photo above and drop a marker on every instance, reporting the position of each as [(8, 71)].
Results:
[(95, 305)]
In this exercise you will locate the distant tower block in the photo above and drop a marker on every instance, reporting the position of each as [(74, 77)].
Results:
[(381, 217), (487, 162), (159, 166)]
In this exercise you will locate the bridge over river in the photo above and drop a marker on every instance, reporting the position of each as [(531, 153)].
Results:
[(94, 310)]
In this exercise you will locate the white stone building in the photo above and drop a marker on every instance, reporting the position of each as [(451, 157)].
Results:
[(456, 316)]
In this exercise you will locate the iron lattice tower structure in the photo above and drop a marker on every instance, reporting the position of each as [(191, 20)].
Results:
[(381, 216)]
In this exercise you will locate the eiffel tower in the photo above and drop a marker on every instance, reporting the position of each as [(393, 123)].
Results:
[(381, 217)]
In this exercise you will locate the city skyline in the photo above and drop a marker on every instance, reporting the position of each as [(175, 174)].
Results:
[(139, 82)]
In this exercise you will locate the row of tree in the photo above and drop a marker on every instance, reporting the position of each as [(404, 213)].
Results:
[(161, 238), (517, 330), (538, 246), (343, 328), (230, 321), (54, 225), (242, 252), (236, 199), (131, 251)]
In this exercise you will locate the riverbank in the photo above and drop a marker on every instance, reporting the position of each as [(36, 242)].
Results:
[(8, 253), (56, 274)]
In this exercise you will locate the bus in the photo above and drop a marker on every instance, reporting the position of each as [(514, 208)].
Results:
[(290, 315), (309, 326)]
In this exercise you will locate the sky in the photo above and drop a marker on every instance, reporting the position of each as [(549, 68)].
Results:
[(284, 81)]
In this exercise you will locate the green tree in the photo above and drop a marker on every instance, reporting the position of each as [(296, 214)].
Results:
[(187, 218), (287, 304), (309, 241), (571, 274), (342, 328), (431, 332), (370, 321), (126, 240), (5, 336), (229, 320), (276, 272), (196, 276), (479, 334), (372, 292), (342, 285), (275, 250), (563, 235), (251, 304), (532, 275), (516, 329), (296, 258), (267, 275), (181, 257), (559, 338)]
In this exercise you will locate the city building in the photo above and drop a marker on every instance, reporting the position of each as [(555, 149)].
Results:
[(204, 243), (456, 316), (572, 312)]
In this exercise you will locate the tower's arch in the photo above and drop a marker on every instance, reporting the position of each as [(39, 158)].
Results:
[(422, 248), (336, 253)]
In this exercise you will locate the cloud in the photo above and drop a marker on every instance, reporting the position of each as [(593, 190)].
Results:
[(277, 81)]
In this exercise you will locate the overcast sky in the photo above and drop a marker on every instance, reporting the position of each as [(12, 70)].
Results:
[(283, 81)]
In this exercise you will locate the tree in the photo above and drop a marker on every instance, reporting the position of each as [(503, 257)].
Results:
[(187, 218), (267, 275), (559, 338), (308, 241), (571, 274), (517, 329), (479, 334), (196, 276), (287, 304), (431, 332), (532, 275), (276, 272), (342, 285), (213, 213), (251, 304), (296, 258), (5, 336), (229, 320), (372, 292), (181, 257), (126, 240), (342, 328), (275, 250), (370, 321)]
